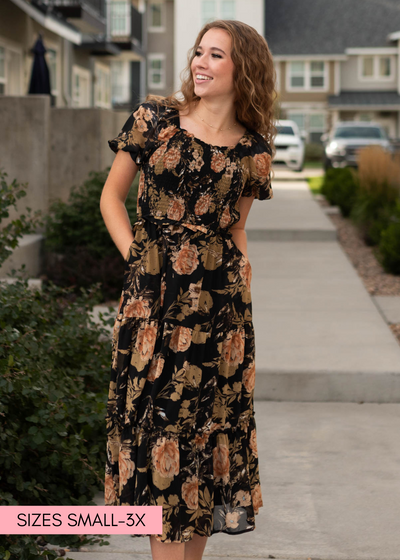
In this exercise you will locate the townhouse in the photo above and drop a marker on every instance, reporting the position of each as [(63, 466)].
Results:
[(336, 61)]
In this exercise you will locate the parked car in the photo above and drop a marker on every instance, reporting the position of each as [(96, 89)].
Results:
[(289, 145), (347, 138)]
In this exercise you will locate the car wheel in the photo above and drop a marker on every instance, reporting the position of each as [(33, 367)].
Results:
[(298, 169)]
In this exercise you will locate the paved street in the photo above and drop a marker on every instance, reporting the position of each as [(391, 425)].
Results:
[(327, 399)]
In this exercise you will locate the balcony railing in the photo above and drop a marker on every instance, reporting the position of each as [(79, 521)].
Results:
[(97, 6)]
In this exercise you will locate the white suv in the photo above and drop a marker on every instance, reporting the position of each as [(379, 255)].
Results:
[(289, 145)]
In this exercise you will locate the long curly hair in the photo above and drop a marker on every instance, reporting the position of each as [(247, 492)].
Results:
[(254, 79)]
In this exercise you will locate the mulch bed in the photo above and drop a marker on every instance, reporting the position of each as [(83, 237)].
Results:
[(376, 281)]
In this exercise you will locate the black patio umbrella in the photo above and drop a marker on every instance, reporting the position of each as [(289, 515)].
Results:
[(40, 77)]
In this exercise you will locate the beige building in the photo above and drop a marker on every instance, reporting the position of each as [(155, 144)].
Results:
[(160, 46)]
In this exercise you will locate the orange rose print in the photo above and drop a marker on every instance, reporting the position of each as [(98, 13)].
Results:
[(162, 291), (253, 443), (218, 162), (257, 498), (225, 218), (232, 520), (156, 367), (202, 205), (249, 377), (181, 338), (167, 133), (145, 341), (221, 463), (126, 467), (233, 348), (141, 116), (172, 158), (185, 261), (158, 154), (165, 455), (190, 492), (137, 308), (245, 271), (263, 164), (201, 440), (176, 209)]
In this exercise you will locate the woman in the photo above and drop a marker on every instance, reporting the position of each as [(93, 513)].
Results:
[(180, 421)]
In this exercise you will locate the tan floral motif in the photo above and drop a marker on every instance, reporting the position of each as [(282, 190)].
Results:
[(218, 162), (163, 287), (185, 260), (190, 492), (221, 463), (242, 498), (145, 341), (225, 218), (109, 491), (165, 456), (202, 205), (245, 271), (253, 443), (181, 338), (167, 133), (263, 164), (233, 348), (137, 308), (195, 291), (249, 377), (172, 158), (156, 367), (141, 185), (232, 519), (230, 170), (126, 466), (176, 209), (256, 498), (197, 162), (142, 116), (201, 440), (157, 155)]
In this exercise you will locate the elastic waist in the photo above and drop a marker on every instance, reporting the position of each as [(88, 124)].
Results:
[(167, 222)]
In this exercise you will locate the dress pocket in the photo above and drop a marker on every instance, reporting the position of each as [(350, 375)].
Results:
[(239, 253)]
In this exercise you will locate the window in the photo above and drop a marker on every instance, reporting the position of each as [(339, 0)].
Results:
[(120, 81), (120, 18), (156, 71), (10, 70), (102, 86), (217, 9), (297, 74), (299, 119), (81, 80), (156, 16), (376, 67), (52, 64), (316, 126), (307, 75)]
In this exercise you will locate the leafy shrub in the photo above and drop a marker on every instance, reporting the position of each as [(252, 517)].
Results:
[(16, 228), (389, 245), (340, 187), (53, 391), (79, 249)]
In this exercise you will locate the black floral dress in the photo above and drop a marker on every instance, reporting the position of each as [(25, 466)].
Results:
[(181, 431)]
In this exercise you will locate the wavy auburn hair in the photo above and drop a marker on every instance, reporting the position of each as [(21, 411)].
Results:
[(254, 78)]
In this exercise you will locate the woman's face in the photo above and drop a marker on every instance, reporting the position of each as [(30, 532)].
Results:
[(212, 67)]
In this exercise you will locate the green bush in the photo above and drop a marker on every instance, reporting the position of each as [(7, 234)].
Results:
[(340, 187), (371, 213), (79, 249), (389, 245)]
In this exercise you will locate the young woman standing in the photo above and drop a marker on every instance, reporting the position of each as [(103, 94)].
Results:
[(180, 420)]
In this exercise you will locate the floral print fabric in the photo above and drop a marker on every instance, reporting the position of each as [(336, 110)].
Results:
[(181, 431)]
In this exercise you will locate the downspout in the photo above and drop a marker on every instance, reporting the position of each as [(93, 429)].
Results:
[(66, 74)]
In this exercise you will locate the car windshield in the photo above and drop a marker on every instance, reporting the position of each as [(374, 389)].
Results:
[(285, 130), (359, 132)]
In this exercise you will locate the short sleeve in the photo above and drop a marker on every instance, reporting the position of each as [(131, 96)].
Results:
[(137, 134), (258, 182)]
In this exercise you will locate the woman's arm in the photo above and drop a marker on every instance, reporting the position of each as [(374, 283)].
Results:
[(112, 201), (239, 236)]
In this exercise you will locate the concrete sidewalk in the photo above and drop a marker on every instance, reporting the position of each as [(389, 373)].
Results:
[(330, 483), (319, 334)]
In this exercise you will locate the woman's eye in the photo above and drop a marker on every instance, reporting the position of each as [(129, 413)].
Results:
[(217, 56), (197, 53)]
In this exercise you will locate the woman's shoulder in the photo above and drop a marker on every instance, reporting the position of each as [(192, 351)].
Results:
[(258, 143)]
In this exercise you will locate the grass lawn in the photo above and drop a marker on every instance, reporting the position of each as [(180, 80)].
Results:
[(315, 184), (313, 164)]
